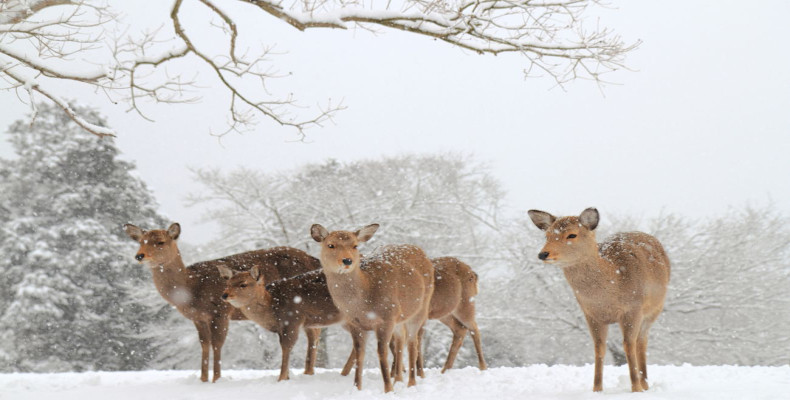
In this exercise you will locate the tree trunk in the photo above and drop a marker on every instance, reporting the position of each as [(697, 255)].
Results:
[(618, 355), (322, 356)]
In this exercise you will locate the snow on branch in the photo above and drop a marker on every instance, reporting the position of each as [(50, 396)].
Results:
[(551, 35), (31, 86), (43, 42)]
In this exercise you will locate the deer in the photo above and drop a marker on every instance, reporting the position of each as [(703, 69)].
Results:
[(284, 306), (452, 303), (621, 280), (195, 290), (388, 292)]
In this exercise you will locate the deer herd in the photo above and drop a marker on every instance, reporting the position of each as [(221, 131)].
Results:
[(395, 289)]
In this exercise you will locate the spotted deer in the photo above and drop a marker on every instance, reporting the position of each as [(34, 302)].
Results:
[(621, 280), (388, 293), (452, 303), (195, 290), (283, 307)]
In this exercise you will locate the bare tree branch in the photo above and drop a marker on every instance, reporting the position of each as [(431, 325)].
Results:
[(50, 40)]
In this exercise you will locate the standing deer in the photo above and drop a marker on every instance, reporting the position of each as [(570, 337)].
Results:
[(622, 280), (389, 293), (284, 306), (452, 303), (195, 290)]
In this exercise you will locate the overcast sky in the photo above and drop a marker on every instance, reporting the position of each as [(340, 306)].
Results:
[(700, 125)]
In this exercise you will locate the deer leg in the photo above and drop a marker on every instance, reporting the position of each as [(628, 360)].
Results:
[(641, 354), (351, 357), (219, 330), (631, 325), (466, 316), (359, 337), (350, 363), (397, 352), (420, 358), (312, 347), (459, 333), (287, 341), (383, 337), (475, 332), (412, 336), (313, 334), (413, 349), (598, 331), (394, 356), (204, 336)]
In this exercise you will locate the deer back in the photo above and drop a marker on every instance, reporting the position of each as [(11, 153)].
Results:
[(454, 282), (305, 295), (641, 267)]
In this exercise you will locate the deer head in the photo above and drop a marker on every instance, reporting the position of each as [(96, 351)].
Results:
[(339, 251), (157, 247), (568, 239)]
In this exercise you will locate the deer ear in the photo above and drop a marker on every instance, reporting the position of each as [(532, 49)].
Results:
[(134, 232), (256, 274), (225, 272), (174, 231), (318, 232), (541, 219), (364, 234), (589, 218)]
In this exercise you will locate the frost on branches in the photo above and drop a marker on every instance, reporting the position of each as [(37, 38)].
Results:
[(85, 42)]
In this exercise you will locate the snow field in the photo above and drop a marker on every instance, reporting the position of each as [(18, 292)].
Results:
[(533, 382)]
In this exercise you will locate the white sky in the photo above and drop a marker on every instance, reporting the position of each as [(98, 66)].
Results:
[(703, 123)]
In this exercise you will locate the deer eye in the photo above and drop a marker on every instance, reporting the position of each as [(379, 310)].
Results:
[(160, 243), (572, 236), (331, 246), (243, 285), (355, 246)]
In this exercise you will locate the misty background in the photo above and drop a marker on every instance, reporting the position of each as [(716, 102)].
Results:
[(692, 146)]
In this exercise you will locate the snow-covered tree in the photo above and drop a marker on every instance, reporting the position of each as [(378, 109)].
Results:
[(729, 300), (448, 204), (87, 42), (67, 269)]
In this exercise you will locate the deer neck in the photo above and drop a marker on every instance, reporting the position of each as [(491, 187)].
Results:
[(349, 288), (592, 277), (172, 278), (260, 309)]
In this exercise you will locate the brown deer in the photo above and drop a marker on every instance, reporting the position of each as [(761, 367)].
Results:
[(622, 280), (452, 303), (284, 306), (389, 293), (195, 290)]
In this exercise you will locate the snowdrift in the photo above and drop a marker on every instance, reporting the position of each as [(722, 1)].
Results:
[(533, 382)]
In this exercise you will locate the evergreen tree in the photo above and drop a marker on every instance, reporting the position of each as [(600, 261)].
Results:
[(67, 270)]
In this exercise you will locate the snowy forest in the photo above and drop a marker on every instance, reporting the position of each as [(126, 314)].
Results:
[(73, 298)]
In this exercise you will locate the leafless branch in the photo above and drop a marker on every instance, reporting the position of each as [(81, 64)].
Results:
[(49, 40)]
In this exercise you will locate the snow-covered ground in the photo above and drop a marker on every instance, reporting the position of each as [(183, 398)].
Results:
[(533, 382)]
